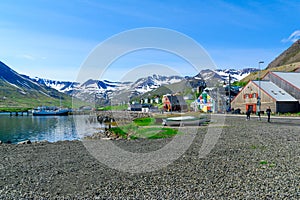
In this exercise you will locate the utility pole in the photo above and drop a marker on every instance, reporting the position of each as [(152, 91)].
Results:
[(260, 62), (259, 90), (229, 93), (171, 104), (227, 105)]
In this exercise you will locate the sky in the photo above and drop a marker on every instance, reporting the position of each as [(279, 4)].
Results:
[(54, 39)]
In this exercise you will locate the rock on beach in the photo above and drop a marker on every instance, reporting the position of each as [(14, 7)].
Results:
[(25, 142)]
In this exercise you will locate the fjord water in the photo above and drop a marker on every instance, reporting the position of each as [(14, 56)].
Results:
[(37, 128)]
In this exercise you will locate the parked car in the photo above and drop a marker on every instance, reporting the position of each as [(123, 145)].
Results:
[(236, 111)]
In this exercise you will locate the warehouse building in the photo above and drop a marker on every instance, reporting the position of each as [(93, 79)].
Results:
[(271, 95), (279, 90)]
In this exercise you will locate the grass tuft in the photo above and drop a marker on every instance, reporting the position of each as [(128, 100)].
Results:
[(144, 121), (132, 131)]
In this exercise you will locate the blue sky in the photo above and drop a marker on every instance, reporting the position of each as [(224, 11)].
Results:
[(52, 39)]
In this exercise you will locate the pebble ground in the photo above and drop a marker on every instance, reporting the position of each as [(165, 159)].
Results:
[(251, 160)]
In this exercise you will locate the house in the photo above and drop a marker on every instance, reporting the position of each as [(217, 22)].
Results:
[(157, 100), (135, 107), (270, 94), (141, 107), (205, 102), (146, 107), (174, 103)]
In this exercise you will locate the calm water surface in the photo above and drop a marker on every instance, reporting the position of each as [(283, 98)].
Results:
[(39, 128)]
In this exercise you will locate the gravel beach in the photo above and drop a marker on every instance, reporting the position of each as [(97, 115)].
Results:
[(251, 160)]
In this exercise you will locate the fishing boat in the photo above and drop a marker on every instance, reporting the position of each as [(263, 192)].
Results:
[(184, 121), (46, 111)]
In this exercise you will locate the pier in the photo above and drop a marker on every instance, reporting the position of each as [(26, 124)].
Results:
[(19, 113)]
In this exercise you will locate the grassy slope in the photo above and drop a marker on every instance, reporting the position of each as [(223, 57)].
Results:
[(289, 56), (12, 99), (283, 68)]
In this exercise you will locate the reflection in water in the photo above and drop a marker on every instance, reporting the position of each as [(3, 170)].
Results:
[(38, 128)]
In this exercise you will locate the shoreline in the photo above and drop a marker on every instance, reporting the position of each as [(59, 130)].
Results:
[(251, 159), (274, 119)]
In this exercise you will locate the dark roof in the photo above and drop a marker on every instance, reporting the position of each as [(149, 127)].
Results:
[(176, 100), (138, 105)]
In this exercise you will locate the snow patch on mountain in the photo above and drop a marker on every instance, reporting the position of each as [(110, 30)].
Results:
[(61, 86), (150, 83), (235, 74), (11, 84)]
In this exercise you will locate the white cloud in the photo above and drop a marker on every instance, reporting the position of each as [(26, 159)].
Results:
[(28, 57), (293, 37)]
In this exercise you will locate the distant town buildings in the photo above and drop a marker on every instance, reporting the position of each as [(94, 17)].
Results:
[(142, 107)]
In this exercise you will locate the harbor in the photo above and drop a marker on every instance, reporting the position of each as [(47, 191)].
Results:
[(15, 129)]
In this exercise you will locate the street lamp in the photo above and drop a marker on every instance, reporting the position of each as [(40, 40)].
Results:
[(171, 104), (229, 93), (228, 89), (259, 91)]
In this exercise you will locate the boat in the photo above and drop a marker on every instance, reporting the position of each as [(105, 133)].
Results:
[(184, 121), (46, 111)]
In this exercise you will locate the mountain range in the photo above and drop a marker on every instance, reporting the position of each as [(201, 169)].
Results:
[(19, 89), (104, 89)]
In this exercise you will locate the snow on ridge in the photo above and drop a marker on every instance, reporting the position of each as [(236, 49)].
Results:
[(236, 74), (12, 84), (140, 86), (61, 86)]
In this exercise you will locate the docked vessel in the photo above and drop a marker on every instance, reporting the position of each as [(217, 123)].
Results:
[(45, 111), (184, 121)]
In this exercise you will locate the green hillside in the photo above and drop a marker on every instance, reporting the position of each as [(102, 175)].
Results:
[(284, 68), (12, 97)]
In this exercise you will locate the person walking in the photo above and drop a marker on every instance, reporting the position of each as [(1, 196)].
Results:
[(268, 111), (258, 114), (248, 114)]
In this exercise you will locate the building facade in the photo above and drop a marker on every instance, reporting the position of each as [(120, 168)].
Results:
[(270, 95), (174, 103), (205, 102)]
